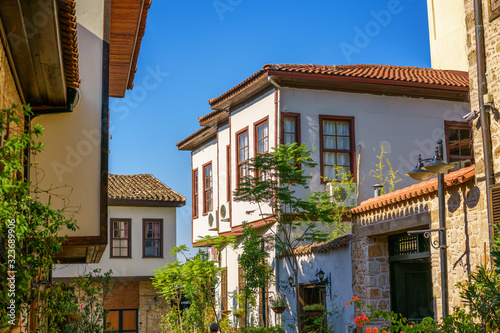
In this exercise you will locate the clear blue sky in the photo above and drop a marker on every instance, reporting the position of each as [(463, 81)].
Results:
[(196, 50)]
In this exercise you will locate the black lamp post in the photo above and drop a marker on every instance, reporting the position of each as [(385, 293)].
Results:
[(436, 165)]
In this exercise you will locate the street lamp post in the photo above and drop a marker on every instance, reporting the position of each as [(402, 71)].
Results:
[(436, 165)]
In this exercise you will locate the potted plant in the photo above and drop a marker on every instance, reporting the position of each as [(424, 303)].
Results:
[(314, 310), (278, 303), (239, 312)]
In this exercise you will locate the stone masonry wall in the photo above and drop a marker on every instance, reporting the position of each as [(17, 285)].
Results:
[(146, 296), (370, 264), (8, 90), (467, 240), (492, 50)]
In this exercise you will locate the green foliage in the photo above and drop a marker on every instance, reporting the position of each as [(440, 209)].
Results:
[(279, 195), (495, 251), (34, 226), (252, 260), (218, 242), (314, 307), (275, 329), (388, 182), (481, 294), (91, 292), (277, 184), (195, 279)]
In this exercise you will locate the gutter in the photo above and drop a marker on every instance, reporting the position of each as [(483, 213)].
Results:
[(485, 114)]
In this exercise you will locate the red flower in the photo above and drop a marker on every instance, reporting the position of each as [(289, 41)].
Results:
[(368, 330), (355, 298), (347, 304)]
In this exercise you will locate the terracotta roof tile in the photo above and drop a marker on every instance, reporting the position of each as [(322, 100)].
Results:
[(322, 246), (141, 187), (435, 77), (422, 188), (67, 23)]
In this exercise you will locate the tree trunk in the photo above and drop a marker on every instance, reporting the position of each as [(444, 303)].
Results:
[(297, 297)]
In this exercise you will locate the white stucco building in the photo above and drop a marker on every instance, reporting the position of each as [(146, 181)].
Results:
[(345, 112), (142, 231)]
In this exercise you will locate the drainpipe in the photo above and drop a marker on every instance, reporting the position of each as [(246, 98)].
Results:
[(485, 114)]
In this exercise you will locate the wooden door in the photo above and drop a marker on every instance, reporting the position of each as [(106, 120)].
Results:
[(411, 291)]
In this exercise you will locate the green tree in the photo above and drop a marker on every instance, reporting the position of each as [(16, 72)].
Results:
[(29, 230), (195, 279), (275, 184), (255, 271)]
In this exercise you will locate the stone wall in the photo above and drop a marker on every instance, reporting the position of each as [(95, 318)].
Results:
[(147, 294), (8, 90), (370, 264), (467, 240), (492, 50)]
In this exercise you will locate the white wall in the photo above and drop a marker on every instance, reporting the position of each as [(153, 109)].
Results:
[(70, 164), (245, 116), (136, 266), (336, 262), (447, 34), (206, 153), (405, 126)]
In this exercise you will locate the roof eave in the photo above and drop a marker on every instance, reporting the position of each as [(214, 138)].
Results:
[(197, 139), (145, 203), (241, 93), (125, 16)]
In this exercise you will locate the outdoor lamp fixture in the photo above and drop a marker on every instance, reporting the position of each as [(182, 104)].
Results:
[(146, 306), (286, 285), (155, 299), (321, 275), (326, 282), (436, 165)]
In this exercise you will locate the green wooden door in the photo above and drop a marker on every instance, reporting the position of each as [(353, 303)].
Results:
[(411, 291)]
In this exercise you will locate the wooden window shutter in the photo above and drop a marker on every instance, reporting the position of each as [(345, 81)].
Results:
[(495, 203), (223, 285)]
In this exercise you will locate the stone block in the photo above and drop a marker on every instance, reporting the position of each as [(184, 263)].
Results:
[(375, 251), (373, 267)]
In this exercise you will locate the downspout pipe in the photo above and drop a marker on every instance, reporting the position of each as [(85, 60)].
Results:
[(482, 89)]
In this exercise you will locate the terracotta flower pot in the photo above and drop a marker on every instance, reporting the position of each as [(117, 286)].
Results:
[(279, 309)]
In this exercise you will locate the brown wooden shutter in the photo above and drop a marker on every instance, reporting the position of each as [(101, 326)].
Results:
[(223, 289), (495, 203)]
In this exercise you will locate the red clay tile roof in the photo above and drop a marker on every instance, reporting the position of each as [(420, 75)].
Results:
[(67, 23), (143, 187), (435, 77), (140, 34), (422, 188), (322, 246)]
